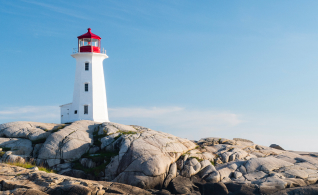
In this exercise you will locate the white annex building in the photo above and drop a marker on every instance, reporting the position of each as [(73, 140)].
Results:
[(89, 96)]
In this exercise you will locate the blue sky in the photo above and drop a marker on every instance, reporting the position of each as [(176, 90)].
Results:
[(191, 68)]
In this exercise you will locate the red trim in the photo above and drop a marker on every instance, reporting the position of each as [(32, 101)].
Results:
[(89, 34), (90, 49)]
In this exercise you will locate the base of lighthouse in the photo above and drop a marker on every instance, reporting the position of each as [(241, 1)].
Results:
[(89, 96)]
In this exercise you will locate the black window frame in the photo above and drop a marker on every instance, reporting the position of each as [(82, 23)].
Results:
[(86, 66), (85, 109), (75, 111), (86, 87)]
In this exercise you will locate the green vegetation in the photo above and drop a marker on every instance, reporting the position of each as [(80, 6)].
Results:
[(2, 153), (100, 157), (28, 165), (5, 149), (118, 136), (127, 132), (97, 137), (38, 141), (197, 147), (58, 128), (199, 159), (213, 163)]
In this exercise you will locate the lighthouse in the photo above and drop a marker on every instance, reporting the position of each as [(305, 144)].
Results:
[(89, 95)]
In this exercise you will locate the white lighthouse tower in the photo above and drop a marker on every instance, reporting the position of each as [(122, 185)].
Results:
[(89, 96)]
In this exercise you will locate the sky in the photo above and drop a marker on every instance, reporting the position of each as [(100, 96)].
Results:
[(195, 69)]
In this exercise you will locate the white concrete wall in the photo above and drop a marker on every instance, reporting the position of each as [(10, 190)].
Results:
[(95, 98), (65, 112), (100, 112)]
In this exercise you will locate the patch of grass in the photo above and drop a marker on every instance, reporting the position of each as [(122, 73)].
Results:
[(38, 141), (127, 132), (118, 136), (28, 165), (199, 159), (95, 171), (102, 156), (197, 147), (58, 128), (5, 149), (213, 163), (48, 170), (2, 153), (97, 137)]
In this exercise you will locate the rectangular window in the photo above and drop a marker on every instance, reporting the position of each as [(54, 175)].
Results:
[(75, 112), (86, 66), (86, 86), (85, 109)]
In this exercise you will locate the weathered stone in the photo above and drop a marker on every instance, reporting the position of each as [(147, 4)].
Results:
[(18, 146), (265, 164), (93, 150), (242, 140), (14, 158), (69, 144), (255, 175), (144, 158), (214, 189), (213, 177), (242, 169), (182, 185), (225, 156), (88, 163), (295, 173), (237, 175), (32, 182), (171, 175), (242, 189), (53, 162), (308, 190), (270, 187), (206, 171), (106, 141), (191, 167), (276, 147), (64, 165), (28, 130), (36, 150)]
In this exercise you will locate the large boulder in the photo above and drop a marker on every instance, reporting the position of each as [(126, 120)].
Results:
[(145, 157), (266, 164), (28, 130), (17, 146), (70, 143), (17, 180)]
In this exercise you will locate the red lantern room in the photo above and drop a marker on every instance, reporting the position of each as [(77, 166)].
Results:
[(89, 42)]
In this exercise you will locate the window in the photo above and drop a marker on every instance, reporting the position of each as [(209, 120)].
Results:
[(75, 112), (85, 109), (87, 66), (86, 86)]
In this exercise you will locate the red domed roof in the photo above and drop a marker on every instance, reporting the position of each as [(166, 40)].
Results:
[(89, 34)]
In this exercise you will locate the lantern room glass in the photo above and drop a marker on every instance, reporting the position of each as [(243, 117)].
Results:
[(89, 42)]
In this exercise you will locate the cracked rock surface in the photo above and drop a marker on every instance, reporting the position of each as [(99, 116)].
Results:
[(21, 181), (159, 162)]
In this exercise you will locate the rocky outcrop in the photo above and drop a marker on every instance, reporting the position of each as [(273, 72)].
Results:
[(156, 161), (21, 181), (144, 157), (69, 144)]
